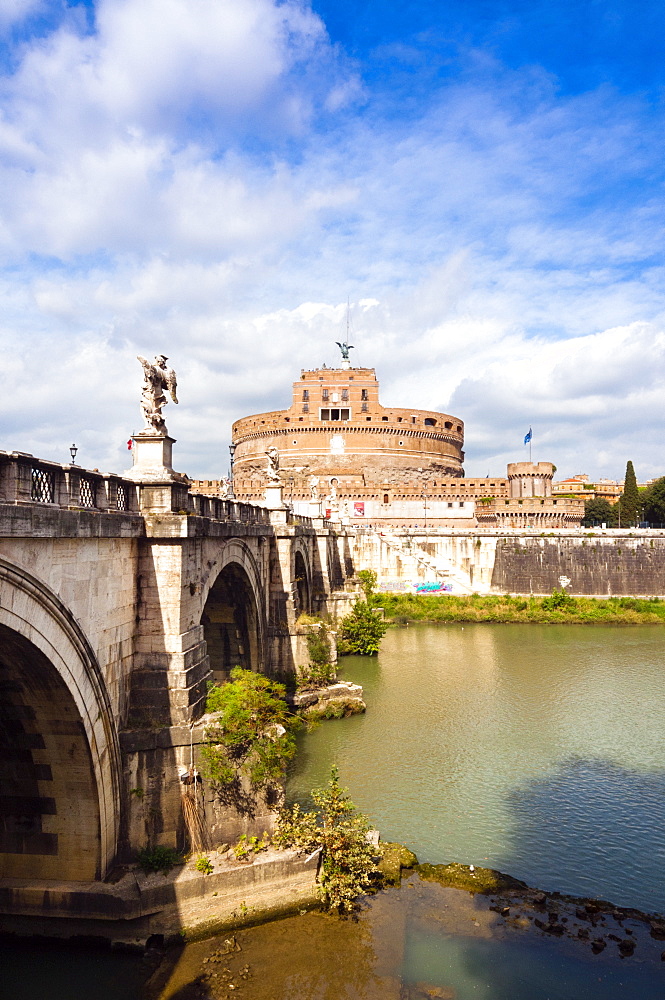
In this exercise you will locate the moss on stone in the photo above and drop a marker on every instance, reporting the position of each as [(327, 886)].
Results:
[(394, 858), (336, 708), (457, 876)]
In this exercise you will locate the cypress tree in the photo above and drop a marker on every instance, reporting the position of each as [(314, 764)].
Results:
[(630, 498)]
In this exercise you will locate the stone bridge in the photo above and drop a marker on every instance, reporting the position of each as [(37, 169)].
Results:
[(119, 602)]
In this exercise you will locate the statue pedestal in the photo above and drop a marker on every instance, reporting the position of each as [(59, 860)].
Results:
[(279, 512), (273, 497), (315, 508), (152, 455)]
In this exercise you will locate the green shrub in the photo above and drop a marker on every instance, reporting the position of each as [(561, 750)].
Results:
[(368, 579), (247, 846), (255, 733), (320, 669), (158, 858), (559, 601), (348, 867), (361, 631), (204, 864)]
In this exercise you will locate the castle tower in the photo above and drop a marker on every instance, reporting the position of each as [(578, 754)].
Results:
[(530, 479)]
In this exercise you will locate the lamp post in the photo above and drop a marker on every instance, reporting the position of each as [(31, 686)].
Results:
[(72, 451), (424, 497), (231, 494), (291, 482)]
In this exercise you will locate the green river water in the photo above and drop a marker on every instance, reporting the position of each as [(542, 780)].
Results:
[(537, 750)]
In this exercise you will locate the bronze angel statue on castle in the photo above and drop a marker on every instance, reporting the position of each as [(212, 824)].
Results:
[(156, 379)]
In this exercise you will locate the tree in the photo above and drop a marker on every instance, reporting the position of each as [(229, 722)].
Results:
[(368, 578), (630, 503), (254, 735), (654, 502), (599, 511), (347, 867), (361, 631)]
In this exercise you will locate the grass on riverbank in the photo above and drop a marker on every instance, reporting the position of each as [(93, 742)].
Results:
[(403, 608)]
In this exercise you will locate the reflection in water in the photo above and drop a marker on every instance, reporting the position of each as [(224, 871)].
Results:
[(468, 746), (49, 971), (416, 943)]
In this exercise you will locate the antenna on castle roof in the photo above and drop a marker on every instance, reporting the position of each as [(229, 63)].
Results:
[(346, 346)]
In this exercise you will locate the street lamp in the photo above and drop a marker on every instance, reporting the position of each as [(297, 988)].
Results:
[(231, 494), (72, 451), (424, 497), (291, 482)]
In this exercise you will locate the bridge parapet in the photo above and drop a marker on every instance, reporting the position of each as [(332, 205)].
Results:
[(25, 479)]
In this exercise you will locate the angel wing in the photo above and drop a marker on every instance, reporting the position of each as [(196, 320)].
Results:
[(171, 384)]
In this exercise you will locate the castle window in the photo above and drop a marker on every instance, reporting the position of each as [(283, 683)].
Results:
[(324, 395), (386, 498), (368, 418), (345, 395), (364, 394), (448, 425), (364, 408), (429, 422), (335, 414), (305, 407), (450, 505), (385, 418), (305, 394), (459, 429), (413, 419)]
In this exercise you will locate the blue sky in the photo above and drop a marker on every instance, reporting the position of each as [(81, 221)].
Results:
[(212, 179)]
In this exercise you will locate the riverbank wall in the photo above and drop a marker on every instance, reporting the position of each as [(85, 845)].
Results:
[(182, 904), (594, 564)]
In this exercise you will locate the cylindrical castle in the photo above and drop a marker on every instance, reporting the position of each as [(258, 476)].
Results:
[(336, 427)]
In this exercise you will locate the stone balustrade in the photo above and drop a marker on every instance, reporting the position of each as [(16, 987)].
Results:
[(25, 479)]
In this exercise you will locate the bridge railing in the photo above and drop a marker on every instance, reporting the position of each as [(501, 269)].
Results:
[(228, 510), (25, 479)]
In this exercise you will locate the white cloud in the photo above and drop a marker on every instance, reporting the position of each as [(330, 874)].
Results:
[(14, 11), (201, 177)]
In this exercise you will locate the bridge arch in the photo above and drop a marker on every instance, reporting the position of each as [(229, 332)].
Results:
[(60, 767), (302, 579), (233, 618)]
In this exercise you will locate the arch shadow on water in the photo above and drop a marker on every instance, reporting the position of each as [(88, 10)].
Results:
[(592, 828)]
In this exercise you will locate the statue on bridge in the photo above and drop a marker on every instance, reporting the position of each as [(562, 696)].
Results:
[(314, 488), (272, 470), (156, 379)]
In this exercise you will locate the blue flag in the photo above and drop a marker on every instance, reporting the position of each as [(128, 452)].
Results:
[(528, 436)]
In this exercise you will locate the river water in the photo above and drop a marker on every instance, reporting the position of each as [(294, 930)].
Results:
[(537, 750)]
